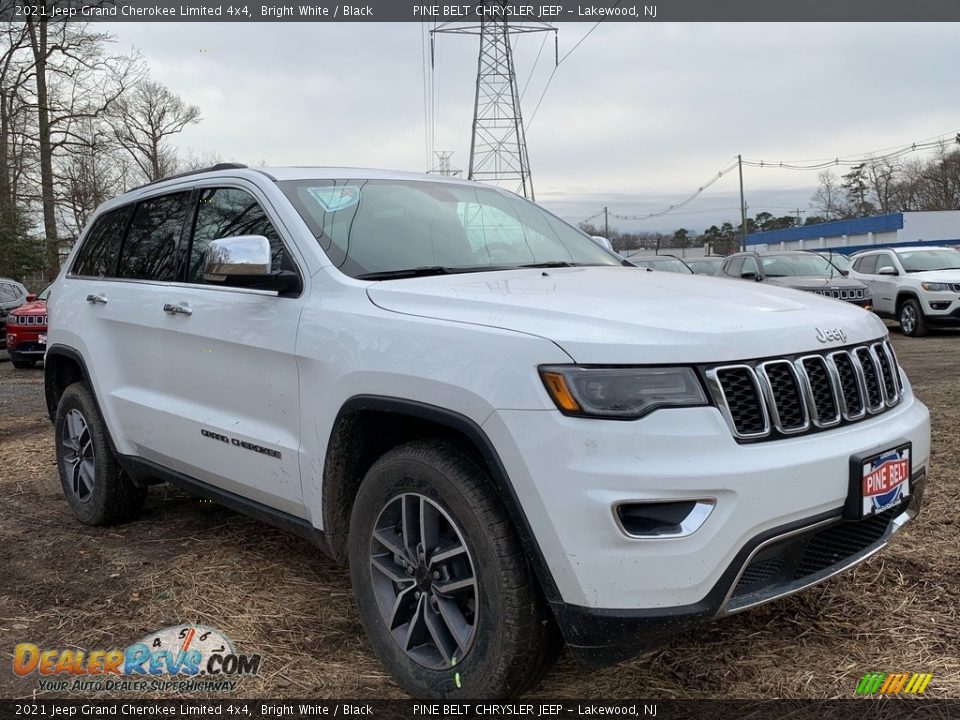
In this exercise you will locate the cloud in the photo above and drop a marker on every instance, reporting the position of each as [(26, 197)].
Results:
[(647, 111)]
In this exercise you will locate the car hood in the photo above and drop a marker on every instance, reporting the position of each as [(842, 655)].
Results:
[(37, 307), (612, 315), (814, 282), (948, 276)]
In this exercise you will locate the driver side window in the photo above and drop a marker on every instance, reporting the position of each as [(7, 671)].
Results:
[(750, 266), (225, 212)]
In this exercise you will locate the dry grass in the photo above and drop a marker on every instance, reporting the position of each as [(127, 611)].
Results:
[(70, 586)]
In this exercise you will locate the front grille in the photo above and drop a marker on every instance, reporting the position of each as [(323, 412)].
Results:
[(31, 320), (790, 561), (765, 400), (848, 294), (955, 287)]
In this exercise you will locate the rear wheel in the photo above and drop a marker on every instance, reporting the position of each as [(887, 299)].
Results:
[(447, 599), (912, 322), (98, 491)]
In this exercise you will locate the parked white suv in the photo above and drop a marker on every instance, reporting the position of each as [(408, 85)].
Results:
[(510, 435), (917, 286)]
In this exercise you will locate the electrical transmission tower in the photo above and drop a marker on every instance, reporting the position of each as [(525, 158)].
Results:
[(498, 147), (444, 167)]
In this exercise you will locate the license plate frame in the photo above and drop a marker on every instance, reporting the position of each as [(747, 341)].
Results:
[(879, 480)]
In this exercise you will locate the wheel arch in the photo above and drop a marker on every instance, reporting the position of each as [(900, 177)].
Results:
[(63, 366), (903, 296), (367, 426)]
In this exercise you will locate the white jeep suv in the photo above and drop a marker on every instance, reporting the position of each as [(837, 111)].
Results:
[(510, 435), (917, 286)]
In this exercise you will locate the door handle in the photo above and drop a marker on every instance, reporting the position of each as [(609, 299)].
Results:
[(97, 299), (177, 309)]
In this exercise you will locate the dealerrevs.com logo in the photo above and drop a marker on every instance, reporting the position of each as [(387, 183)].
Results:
[(178, 658), (878, 683)]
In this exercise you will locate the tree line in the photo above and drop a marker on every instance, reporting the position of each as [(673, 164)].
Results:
[(878, 186), (79, 124)]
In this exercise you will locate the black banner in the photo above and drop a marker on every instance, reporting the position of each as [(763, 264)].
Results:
[(866, 708), (514, 11)]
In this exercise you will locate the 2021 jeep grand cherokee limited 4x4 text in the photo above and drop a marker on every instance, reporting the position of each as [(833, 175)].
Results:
[(509, 435)]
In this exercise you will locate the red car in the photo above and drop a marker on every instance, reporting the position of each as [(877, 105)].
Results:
[(27, 331)]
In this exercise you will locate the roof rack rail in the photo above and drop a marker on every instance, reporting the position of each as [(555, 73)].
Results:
[(218, 166)]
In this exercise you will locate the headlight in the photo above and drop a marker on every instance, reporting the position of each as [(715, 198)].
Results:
[(623, 393), (935, 287)]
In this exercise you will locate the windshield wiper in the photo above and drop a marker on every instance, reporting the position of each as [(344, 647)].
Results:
[(552, 264), (421, 271), (427, 270)]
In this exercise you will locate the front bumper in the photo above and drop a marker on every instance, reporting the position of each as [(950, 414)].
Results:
[(613, 590), (603, 637)]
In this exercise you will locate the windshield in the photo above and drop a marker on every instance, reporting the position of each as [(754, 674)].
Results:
[(922, 260), (806, 265), (705, 266), (373, 228), (665, 264), (841, 262)]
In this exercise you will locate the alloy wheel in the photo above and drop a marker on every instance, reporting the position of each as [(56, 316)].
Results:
[(78, 455), (424, 581), (908, 319)]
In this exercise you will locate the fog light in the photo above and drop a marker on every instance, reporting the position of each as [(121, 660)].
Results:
[(939, 305), (662, 519)]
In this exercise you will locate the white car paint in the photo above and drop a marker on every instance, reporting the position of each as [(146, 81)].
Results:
[(276, 370)]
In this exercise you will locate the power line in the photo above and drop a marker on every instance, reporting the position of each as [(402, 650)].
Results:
[(557, 65), (852, 161)]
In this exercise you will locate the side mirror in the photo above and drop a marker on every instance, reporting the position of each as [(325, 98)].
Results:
[(887, 270), (31, 297), (749, 275), (245, 261)]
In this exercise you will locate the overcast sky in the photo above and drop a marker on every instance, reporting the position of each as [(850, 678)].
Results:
[(638, 116)]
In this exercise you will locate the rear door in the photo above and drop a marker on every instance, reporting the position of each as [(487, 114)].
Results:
[(121, 272), (230, 401)]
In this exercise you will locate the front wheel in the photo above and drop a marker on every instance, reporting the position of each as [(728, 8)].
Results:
[(912, 322), (97, 489), (448, 601)]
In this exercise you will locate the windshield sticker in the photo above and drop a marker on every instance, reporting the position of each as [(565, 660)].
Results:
[(332, 199)]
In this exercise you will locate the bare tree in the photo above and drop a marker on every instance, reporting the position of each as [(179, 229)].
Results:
[(882, 179), (144, 120), (75, 81), (829, 196)]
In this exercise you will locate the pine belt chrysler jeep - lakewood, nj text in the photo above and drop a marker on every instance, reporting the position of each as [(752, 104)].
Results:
[(510, 436)]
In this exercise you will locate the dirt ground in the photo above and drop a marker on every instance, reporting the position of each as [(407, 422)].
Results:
[(66, 585)]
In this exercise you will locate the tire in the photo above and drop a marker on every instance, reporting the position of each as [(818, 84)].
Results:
[(910, 317), (96, 488), (24, 364), (505, 637)]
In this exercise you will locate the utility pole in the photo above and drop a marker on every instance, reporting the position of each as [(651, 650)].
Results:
[(743, 208), (606, 223), (498, 145)]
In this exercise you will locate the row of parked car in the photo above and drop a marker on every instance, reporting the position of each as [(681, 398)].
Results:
[(919, 287)]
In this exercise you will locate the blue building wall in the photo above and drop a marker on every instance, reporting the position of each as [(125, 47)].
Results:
[(856, 226)]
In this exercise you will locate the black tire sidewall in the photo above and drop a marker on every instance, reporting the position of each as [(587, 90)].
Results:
[(97, 510), (919, 326), (478, 670)]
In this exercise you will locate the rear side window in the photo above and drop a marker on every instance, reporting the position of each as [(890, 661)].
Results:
[(733, 267), (98, 255), (868, 264), (226, 212), (150, 248)]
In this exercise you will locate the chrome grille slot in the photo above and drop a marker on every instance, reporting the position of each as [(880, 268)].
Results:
[(784, 396), (781, 397), (871, 378), (739, 390), (822, 387)]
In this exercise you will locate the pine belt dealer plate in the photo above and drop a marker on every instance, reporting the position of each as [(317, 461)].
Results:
[(879, 481)]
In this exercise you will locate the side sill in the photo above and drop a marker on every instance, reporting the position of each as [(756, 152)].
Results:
[(146, 472)]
